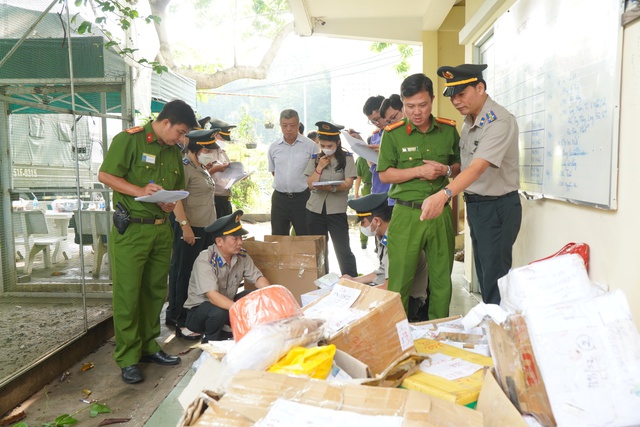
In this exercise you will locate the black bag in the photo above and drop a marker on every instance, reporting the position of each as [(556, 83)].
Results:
[(121, 218)]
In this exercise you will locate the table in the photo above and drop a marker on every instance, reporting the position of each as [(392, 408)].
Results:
[(58, 223)]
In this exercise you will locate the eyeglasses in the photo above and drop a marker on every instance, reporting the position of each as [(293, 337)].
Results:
[(394, 118), (376, 121)]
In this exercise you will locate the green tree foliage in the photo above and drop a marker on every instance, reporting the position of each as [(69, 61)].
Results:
[(405, 51)]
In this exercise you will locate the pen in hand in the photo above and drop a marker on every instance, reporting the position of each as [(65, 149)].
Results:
[(197, 238)]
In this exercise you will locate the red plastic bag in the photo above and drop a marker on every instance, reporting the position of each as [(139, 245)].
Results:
[(581, 249), (262, 306)]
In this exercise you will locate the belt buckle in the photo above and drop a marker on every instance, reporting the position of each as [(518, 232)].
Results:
[(289, 195), (158, 221)]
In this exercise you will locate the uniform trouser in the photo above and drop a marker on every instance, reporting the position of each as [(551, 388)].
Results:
[(337, 226), (209, 319), (287, 211), (182, 259), (139, 265), (407, 236), (365, 191), (494, 227), (223, 206)]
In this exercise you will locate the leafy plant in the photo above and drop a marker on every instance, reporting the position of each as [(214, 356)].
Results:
[(405, 51), (65, 420)]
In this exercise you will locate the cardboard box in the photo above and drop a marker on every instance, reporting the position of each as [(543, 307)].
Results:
[(310, 297), (517, 369), (291, 261), (381, 337), (463, 391), (253, 395), (496, 406)]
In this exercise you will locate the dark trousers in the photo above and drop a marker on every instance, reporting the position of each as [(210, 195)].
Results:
[(337, 226), (288, 209), (494, 227), (223, 206), (209, 319), (182, 259)]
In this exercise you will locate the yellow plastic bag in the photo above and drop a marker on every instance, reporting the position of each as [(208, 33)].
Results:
[(313, 362)]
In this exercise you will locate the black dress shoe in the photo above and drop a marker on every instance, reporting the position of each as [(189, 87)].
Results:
[(192, 337), (171, 322), (132, 374), (161, 358)]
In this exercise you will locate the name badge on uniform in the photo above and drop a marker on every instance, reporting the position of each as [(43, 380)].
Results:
[(409, 149), (149, 158)]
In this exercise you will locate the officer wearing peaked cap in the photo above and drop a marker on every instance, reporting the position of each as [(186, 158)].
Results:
[(374, 213), (189, 219), (217, 275), (489, 177), (327, 204), (220, 164)]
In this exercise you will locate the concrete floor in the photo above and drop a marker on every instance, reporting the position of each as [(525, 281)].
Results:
[(153, 403)]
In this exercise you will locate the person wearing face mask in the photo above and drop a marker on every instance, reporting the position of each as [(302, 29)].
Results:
[(374, 214), (219, 164), (192, 215), (327, 205)]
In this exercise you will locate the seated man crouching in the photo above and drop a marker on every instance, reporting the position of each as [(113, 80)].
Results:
[(216, 276)]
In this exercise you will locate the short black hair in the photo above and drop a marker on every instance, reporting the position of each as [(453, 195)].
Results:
[(416, 83), (393, 101), (474, 84), (301, 128), (385, 215), (312, 135), (372, 104), (178, 112)]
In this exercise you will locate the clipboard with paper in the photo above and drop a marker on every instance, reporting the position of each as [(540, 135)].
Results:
[(234, 174), (163, 196)]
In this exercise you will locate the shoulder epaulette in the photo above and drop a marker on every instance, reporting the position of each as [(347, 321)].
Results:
[(135, 129), (393, 126), (314, 156), (348, 153), (185, 160), (243, 252), (446, 121)]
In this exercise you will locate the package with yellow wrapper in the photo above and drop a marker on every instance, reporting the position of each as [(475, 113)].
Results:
[(451, 373), (314, 362)]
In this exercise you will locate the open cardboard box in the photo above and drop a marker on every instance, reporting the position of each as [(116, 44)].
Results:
[(252, 395), (381, 338), (291, 261)]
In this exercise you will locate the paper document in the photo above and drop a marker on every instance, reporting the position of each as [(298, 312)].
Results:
[(327, 281), (361, 148), (164, 196), (234, 174), (449, 367), (319, 183)]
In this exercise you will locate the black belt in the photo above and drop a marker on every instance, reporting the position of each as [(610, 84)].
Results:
[(292, 195), (414, 205), (475, 198), (154, 221)]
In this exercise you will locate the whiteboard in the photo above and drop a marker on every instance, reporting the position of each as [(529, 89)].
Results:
[(556, 66)]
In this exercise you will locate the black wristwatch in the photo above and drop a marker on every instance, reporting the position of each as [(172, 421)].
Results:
[(449, 194)]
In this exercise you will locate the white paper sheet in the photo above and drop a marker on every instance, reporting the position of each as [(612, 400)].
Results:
[(361, 148), (285, 413), (234, 171), (327, 281), (448, 367), (163, 196), (319, 183)]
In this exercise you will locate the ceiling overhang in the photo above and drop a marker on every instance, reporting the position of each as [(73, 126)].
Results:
[(402, 21)]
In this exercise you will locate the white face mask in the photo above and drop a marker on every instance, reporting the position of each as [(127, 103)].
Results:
[(328, 151), (206, 158), (221, 144), (367, 231)]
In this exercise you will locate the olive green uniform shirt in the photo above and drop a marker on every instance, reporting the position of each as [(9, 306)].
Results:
[(212, 273), (335, 202), (137, 156), (405, 147)]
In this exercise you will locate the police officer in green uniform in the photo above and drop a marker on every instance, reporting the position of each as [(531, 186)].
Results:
[(217, 274), (490, 175), (374, 213), (141, 161), (418, 154), (364, 178)]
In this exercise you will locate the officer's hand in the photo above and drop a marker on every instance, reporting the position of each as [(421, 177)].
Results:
[(218, 167), (188, 236), (323, 162), (375, 147), (328, 188), (167, 207), (430, 170), (150, 188), (346, 276), (433, 205), (355, 134)]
